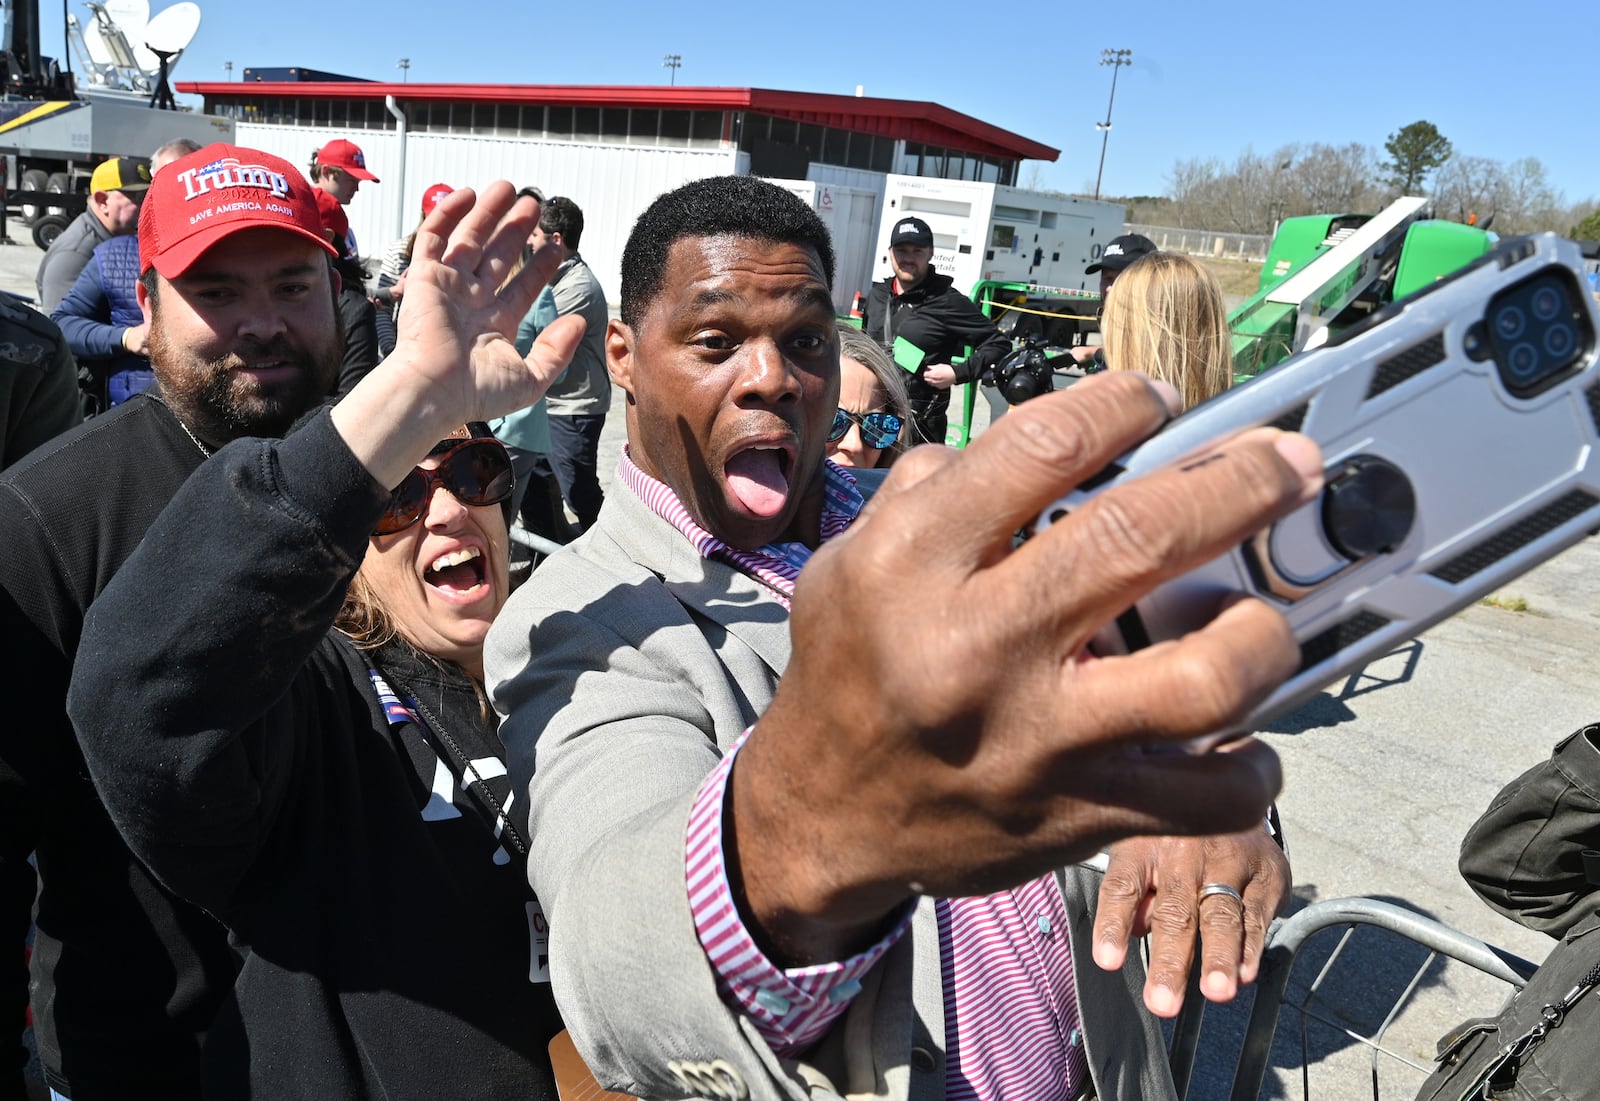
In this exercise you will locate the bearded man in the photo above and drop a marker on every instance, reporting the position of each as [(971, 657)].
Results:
[(238, 289)]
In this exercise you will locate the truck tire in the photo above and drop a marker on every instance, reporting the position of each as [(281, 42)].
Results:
[(48, 228), (59, 185), (34, 179)]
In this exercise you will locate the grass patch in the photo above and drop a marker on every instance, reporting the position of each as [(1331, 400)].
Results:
[(1507, 603), (1238, 277)]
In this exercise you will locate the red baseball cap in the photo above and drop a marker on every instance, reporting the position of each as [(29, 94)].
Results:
[(345, 155), (198, 200), (431, 197), (334, 219)]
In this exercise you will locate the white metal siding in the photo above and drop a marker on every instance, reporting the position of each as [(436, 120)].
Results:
[(848, 177), (851, 215), (611, 183)]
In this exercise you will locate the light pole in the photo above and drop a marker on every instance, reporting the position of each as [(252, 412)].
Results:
[(227, 67), (1279, 206), (404, 65), (673, 62), (1116, 59)]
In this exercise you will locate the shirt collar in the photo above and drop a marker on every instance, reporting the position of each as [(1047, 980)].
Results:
[(776, 565)]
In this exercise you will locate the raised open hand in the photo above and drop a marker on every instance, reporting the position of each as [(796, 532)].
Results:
[(455, 356), (458, 320)]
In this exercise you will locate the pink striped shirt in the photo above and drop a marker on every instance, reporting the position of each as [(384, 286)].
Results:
[(1010, 999)]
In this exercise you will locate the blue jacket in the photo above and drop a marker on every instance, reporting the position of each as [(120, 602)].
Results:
[(102, 306)]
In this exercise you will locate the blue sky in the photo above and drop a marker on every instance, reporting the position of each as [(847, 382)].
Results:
[(1503, 81)]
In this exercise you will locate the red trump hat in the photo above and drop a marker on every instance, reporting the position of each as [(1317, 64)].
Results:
[(347, 156), (198, 200), (431, 197)]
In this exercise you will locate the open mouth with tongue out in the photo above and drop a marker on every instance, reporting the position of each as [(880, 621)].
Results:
[(758, 478)]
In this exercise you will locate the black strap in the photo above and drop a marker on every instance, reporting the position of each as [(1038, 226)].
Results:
[(1591, 866), (475, 782)]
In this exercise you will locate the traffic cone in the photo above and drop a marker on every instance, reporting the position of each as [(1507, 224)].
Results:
[(855, 307)]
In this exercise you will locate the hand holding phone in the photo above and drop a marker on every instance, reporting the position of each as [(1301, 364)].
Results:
[(1459, 428)]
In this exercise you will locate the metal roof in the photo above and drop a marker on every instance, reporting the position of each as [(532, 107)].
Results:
[(907, 119)]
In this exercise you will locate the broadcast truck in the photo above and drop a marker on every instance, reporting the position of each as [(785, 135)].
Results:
[(55, 128)]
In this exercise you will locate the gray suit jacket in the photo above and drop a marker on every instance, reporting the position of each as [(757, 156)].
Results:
[(625, 667)]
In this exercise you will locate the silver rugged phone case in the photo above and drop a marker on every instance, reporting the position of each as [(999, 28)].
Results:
[(1458, 427)]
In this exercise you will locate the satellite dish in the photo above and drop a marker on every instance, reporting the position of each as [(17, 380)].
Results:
[(130, 15), (166, 36), (171, 31), (95, 43)]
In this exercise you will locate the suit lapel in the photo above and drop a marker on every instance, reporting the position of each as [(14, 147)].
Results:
[(740, 603)]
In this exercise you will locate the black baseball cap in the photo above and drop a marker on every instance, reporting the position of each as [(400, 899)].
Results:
[(1121, 252), (911, 231)]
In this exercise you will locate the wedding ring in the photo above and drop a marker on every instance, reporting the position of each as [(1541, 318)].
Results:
[(1209, 889)]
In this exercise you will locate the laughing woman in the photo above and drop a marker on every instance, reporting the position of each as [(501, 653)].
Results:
[(280, 700)]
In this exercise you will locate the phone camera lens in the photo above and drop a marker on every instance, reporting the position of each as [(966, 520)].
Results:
[(1559, 341), (1537, 333), (1524, 360), (1546, 303), (1509, 323)]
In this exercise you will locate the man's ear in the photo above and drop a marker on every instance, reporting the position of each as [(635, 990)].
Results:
[(146, 307), (619, 356)]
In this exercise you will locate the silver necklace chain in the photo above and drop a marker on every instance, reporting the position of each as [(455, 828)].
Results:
[(204, 450)]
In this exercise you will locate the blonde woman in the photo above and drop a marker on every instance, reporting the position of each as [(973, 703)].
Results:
[(1167, 320)]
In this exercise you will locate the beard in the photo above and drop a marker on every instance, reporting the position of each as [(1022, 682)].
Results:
[(223, 403)]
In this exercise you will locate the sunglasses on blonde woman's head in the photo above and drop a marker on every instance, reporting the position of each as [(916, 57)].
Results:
[(878, 430), (477, 472)]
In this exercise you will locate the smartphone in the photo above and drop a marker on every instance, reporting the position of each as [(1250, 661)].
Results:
[(1459, 428)]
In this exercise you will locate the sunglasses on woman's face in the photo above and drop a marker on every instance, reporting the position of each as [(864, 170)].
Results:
[(878, 430), (476, 472)]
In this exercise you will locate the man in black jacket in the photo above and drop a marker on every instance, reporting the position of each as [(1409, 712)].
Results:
[(239, 294), (936, 322)]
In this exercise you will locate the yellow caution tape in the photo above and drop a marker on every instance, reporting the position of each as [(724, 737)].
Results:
[(1039, 313)]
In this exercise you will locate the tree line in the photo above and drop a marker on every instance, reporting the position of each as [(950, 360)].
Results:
[(1258, 190)]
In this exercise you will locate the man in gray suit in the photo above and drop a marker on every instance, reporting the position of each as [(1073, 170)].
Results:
[(864, 895)]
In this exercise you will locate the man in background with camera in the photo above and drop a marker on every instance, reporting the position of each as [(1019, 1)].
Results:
[(1114, 260), (921, 307)]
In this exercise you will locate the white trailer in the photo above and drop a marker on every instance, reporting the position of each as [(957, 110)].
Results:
[(988, 231), (851, 215)]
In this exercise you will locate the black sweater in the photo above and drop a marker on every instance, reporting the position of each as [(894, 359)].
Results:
[(242, 751), (126, 977), (942, 322)]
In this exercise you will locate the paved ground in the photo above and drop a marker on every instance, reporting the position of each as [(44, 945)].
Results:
[(1384, 774)]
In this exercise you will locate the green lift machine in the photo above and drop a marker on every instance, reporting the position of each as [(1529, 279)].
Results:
[(1327, 271)]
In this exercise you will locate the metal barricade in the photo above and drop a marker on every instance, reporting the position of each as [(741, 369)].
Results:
[(1285, 941), (538, 544)]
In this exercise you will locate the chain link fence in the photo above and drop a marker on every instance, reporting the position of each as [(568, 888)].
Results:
[(1205, 242)]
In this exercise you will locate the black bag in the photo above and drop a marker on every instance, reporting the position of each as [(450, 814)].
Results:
[(1532, 854), (1543, 1045)]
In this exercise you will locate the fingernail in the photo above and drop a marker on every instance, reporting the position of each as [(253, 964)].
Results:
[(1216, 983), (1169, 394), (1302, 454), (1164, 1001)]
